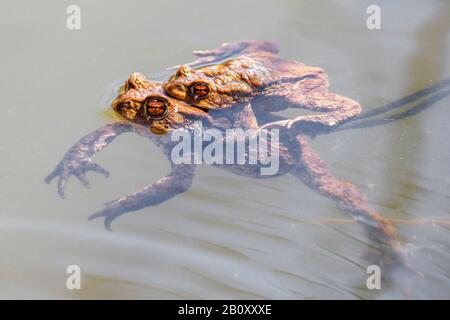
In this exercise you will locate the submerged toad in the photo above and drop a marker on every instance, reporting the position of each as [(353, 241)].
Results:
[(251, 71), (144, 106)]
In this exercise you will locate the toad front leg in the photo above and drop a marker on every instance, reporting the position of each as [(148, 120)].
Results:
[(177, 181), (77, 160)]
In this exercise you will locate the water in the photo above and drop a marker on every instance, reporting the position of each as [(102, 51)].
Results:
[(228, 236)]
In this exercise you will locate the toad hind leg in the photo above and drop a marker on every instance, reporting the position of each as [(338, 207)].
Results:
[(311, 93), (337, 110), (315, 174), (177, 181)]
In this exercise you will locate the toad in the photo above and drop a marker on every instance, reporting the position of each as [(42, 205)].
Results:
[(146, 110), (251, 71)]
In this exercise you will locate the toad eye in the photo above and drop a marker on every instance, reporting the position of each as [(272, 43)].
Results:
[(200, 90), (156, 108)]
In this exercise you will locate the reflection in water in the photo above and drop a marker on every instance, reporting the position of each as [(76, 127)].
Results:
[(421, 101), (425, 63)]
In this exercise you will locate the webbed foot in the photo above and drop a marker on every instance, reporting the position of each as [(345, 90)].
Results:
[(75, 167), (110, 212), (178, 181)]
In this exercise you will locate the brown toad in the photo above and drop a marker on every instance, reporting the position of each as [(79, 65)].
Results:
[(250, 71), (144, 106)]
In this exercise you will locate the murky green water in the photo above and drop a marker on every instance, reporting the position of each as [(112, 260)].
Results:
[(228, 236)]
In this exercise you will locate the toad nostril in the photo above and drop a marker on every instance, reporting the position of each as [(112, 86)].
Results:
[(120, 107), (178, 88)]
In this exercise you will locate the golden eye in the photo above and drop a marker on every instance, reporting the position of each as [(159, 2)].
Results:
[(156, 107), (200, 90)]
